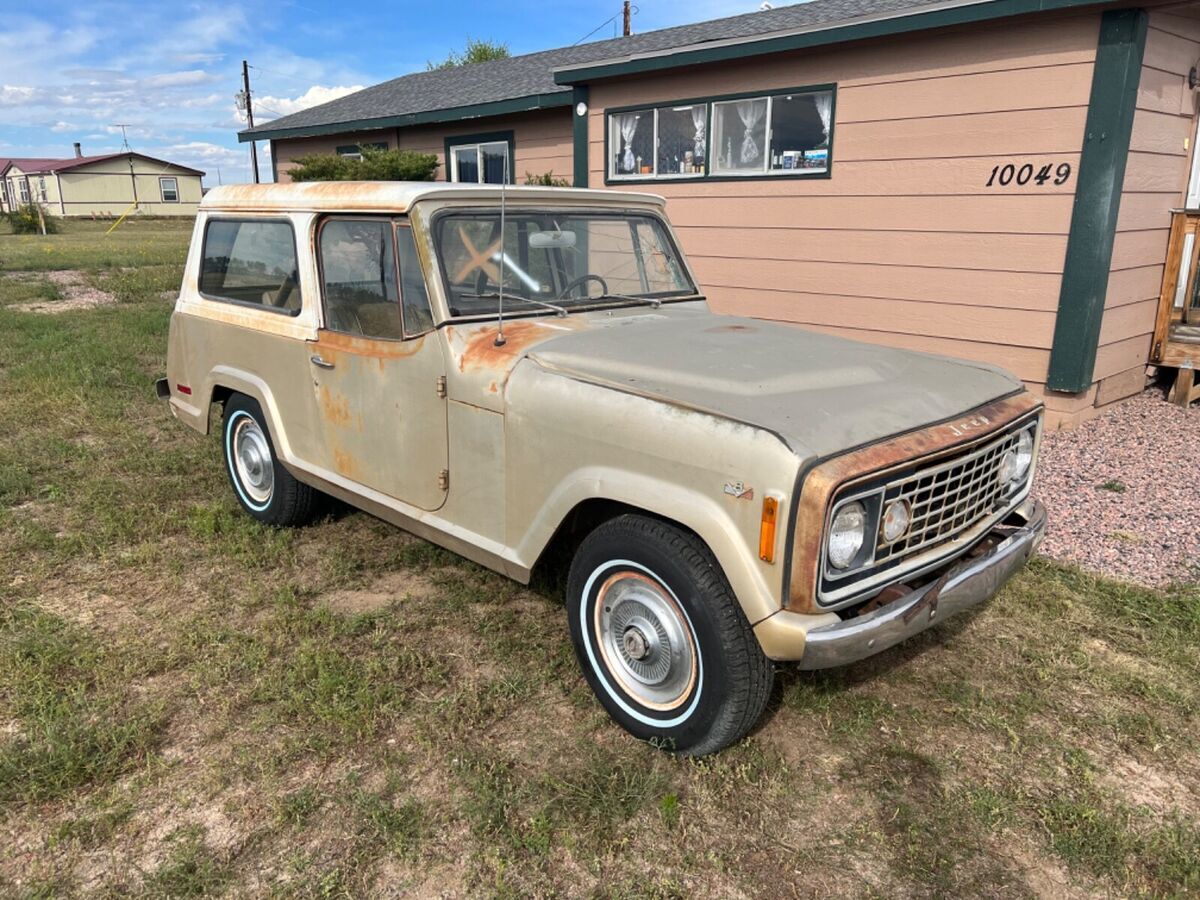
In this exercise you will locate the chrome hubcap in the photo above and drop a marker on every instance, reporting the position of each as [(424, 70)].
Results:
[(252, 459), (645, 640)]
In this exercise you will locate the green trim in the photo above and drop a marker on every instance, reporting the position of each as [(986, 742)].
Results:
[(736, 50), (707, 175), (432, 117), (579, 136), (490, 137), (1097, 199), (274, 164)]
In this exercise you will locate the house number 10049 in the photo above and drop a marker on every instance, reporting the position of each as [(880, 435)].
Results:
[(1008, 173)]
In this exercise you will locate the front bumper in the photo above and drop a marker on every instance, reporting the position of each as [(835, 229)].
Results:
[(967, 583)]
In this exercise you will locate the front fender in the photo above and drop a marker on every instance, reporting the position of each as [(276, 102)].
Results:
[(569, 441)]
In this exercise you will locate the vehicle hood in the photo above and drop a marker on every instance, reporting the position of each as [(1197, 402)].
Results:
[(819, 393)]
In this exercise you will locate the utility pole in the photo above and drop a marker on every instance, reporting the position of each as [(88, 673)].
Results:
[(626, 10), (129, 158), (249, 117)]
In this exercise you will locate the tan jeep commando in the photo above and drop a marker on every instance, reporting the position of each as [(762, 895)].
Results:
[(507, 374)]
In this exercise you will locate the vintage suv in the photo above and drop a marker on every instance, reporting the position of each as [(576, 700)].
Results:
[(510, 373)]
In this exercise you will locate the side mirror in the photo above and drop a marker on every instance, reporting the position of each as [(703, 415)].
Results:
[(552, 240)]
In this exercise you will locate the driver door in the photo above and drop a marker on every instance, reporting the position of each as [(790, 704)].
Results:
[(377, 364)]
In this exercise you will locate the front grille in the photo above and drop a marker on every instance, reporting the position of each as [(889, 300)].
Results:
[(954, 500), (948, 498)]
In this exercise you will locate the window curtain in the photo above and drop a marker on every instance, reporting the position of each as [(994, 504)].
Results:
[(627, 124), (824, 105), (751, 113), (698, 116)]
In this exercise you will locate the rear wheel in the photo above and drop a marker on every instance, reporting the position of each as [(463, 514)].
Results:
[(262, 485), (661, 639)]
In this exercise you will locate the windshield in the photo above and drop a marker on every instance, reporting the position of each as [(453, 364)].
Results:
[(559, 260)]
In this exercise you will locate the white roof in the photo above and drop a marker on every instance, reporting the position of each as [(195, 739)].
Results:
[(395, 196)]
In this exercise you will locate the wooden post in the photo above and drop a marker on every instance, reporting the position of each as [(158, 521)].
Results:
[(41, 218)]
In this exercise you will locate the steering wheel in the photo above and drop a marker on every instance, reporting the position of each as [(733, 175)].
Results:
[(582, 279)]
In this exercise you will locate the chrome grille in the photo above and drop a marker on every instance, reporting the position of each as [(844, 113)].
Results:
[(948, 498)]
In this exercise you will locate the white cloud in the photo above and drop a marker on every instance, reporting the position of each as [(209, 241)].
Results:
[(273, 107), (179, 79)]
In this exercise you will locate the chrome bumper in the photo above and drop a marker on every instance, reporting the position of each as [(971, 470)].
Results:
[(967, 583)]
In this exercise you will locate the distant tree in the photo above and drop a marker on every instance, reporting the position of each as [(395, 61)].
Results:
[(375, 165), (476, 52)]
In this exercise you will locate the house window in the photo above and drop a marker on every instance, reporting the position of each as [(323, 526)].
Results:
[(480, 159), (784, 133), (252, 262), (169, 188), (24, 184), (354, 151), (664, 142), (42, 188), (4, 194)]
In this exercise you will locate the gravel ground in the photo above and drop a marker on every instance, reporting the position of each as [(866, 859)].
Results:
[(1123, 492)]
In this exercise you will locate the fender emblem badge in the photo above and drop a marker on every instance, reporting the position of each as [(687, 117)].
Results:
[(739, 491)]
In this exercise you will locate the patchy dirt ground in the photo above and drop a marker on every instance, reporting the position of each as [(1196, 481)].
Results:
[(1123, 494), (73, 288)]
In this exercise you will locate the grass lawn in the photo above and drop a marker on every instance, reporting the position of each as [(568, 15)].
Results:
[(191, 704)]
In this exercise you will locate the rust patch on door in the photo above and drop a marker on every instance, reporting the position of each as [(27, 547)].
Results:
[(335, 409), (330, 342), (345, 464)]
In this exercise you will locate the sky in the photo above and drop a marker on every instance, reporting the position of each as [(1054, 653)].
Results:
[(73, 71)]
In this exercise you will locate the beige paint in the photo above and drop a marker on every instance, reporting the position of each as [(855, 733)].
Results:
[(524, 442), (543, 142)]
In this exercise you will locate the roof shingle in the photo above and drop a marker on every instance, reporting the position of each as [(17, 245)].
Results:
[(532, 75)]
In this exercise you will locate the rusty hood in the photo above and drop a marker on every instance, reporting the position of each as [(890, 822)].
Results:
[(820, 394)]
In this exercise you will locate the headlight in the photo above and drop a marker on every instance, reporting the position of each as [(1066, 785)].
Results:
[(1024, 453), (896, 518), (1014, 464), (847, 533)]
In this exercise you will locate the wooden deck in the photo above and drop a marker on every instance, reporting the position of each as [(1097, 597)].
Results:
[(1177, 328)]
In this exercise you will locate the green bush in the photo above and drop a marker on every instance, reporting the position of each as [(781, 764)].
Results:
[(24, 220), (375, 165), (546, 180)]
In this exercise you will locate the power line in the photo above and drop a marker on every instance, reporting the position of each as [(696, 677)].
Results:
[(634, 10)]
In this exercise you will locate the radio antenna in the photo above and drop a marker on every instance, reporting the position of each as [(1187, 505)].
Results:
[(500, 340)]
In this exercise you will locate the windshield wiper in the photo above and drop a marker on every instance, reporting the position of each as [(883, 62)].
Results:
[(653, 301), (559, 311)]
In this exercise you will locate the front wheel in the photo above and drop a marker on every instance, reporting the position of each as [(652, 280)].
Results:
[(661, 639)]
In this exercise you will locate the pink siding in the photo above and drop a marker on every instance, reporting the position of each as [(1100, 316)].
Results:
[(904, 244)]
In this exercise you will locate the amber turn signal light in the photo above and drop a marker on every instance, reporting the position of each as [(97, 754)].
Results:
[(766, 534)]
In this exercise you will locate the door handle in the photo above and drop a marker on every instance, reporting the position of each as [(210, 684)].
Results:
[(317, 361)]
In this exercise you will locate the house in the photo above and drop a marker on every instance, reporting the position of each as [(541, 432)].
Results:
[(107, 185), (987, 179)]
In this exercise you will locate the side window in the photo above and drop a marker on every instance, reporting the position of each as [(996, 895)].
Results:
[(418, 317), (358, 274), (251, 261)]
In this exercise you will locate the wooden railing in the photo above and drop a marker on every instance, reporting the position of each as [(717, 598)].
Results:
[(1177, 328)]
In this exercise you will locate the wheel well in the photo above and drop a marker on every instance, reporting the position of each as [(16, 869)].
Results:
[(583, 519), (221, 395)]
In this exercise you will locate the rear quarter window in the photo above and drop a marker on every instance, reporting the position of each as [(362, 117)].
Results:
[(251, 262)]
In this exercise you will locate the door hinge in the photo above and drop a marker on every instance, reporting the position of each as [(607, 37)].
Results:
[(441, 386), (444, 480)]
